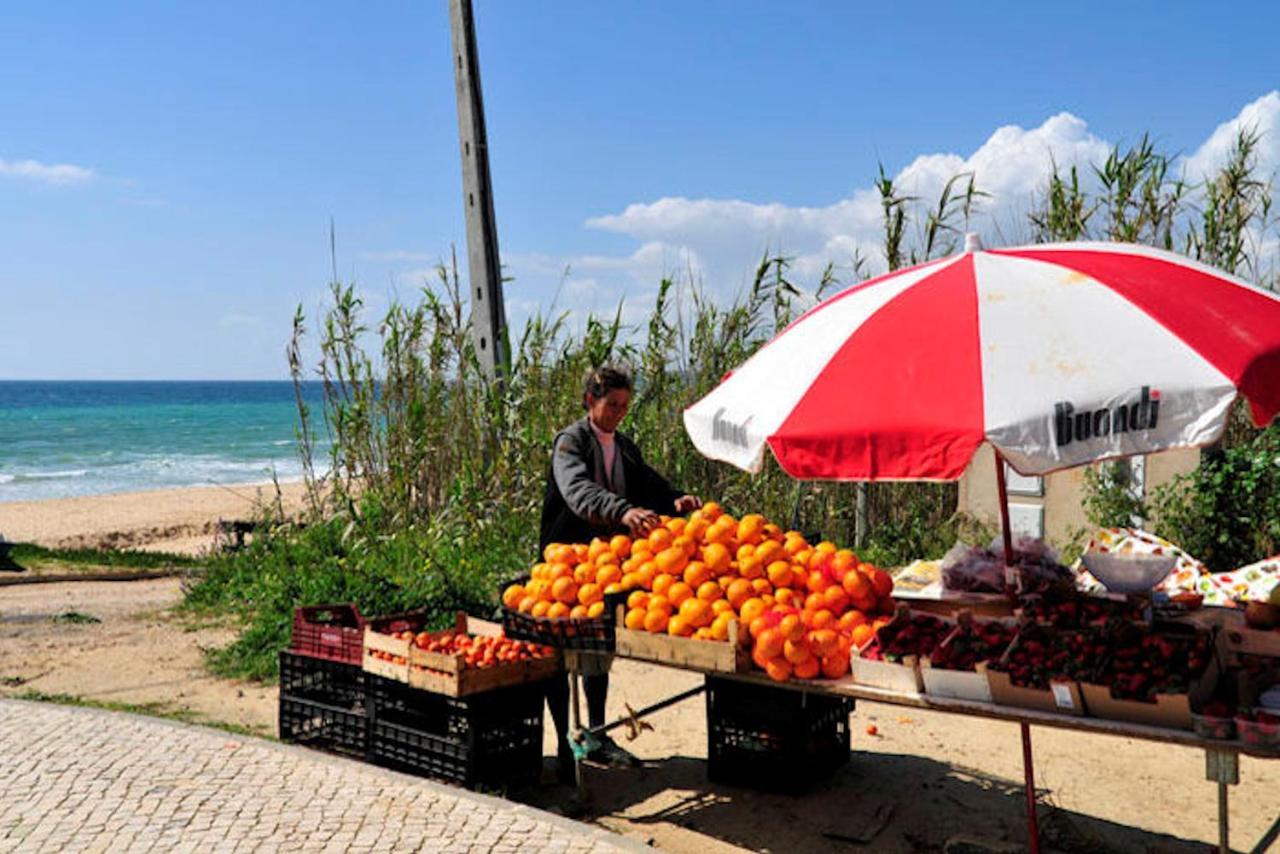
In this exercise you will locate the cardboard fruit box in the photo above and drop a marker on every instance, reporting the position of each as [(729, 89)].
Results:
[(1060, 691), (941, 680), (902, 675), (386, 654), (1172, 710), (709, 656), (449, 674)]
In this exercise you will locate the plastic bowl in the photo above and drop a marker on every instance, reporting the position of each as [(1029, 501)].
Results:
[(1128, 573)]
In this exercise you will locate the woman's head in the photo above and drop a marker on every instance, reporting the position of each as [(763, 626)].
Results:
[(607, 396)]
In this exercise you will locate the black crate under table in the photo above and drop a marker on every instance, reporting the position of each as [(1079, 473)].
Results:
[(773, 738), (491, 738)]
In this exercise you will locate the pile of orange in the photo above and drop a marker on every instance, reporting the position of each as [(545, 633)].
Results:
[(804, 607)]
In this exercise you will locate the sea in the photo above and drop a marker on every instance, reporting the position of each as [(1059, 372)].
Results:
[(62, 439)]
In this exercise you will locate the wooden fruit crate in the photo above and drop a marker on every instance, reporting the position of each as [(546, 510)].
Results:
[(708, 656), (442, 673), (379, 636)]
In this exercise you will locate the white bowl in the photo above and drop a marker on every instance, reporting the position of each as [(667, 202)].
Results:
[(1128, 573)]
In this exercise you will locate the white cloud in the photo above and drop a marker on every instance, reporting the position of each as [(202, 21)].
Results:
[(59, 174), (1262, 116)]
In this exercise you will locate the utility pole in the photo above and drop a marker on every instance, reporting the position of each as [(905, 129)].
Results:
[(488, 310)]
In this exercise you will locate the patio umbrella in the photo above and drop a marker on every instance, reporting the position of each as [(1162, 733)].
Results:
[(1058, 355)]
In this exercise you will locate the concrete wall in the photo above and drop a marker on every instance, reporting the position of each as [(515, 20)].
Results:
[(1060, 505)]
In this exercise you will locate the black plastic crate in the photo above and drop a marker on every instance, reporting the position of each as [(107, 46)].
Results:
[(322, 680), (326, 727), (773, 738), (492, 738), (587, 635)]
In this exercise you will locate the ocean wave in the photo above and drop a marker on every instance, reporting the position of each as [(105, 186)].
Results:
[(6, 478), (50, 475)]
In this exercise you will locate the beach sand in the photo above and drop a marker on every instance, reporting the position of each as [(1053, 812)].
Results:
[(181, 521), (942, 776)]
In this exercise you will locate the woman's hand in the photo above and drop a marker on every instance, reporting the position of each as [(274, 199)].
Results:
[(640, 521), (688, 503)]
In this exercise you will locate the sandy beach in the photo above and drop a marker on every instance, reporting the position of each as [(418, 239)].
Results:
[(182, 521), (942, 776)]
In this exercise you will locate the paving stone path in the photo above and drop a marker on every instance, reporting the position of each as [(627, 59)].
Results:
[(75, 779)]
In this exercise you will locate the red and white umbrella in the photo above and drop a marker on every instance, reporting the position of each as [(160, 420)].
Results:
[(1057, 355)]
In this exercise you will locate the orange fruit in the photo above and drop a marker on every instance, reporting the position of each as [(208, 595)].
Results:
[(720, 626), (850, 620), (814, 601), (750, 609), (717, 558), (564, 590), (662, 583), (640, 551), (709, 591), (526, 604), (758, 625), (807, 669), (822, 642), (679, 592), (589, 593), (696, 529), (722, 606), (835, 666), (779, 573), (635, 619), (559, 570), (512, 595), (660, 539), (577, 612), (677, 524), (711, 511), (769, 642), (620, 545), (557, 553), (595, 609), (655, 620), (779, 669), (745, 551), (580, 552), (608, 574), (837, 600), (584, 572), (696, 573), (867, 603), (751, 528), (751, 568), (769, 551), (686, 545), (882, 582), (794, 543), (787, 596), (638, 599), (826, 546), (630, 581), (738, 592), (795, 651), (540, 608), (658, 602), (557, 610), (696, 613), (679, 626), (823, 619), (856, 585), (671, 561), (761, 586), (861, 635), (615, 587), (790, 627), (645, 575), (816, 581)]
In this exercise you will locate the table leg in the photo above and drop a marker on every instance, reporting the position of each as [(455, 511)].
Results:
[(575, 726), (1029, 771), (1223, 768)]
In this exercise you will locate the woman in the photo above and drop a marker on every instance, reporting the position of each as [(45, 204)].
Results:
[(599, 485)]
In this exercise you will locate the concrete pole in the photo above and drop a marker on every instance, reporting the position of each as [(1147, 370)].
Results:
[(488, 310)]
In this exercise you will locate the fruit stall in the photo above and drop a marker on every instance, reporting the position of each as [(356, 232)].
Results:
[(790, 633)]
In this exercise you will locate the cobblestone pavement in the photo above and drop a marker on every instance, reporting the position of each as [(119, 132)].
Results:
[(75, 779)]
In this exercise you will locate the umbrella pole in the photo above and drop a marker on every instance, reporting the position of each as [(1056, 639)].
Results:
[(1028, 763), (1004, 509)]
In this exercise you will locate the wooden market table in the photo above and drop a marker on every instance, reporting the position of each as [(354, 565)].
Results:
[(1222, 758)]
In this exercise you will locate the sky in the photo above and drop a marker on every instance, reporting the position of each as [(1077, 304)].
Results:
[(169, 172)]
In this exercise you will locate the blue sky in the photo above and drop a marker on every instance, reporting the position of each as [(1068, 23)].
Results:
[(168, 171)]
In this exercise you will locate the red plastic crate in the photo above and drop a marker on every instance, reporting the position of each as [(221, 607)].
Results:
[(335, 632)]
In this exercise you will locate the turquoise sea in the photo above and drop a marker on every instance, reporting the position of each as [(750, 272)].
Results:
[(60, 439)]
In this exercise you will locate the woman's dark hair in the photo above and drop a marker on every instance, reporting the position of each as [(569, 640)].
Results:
[(604, 379)]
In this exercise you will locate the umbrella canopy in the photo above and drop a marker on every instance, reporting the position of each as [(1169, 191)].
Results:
[(1057, 355)]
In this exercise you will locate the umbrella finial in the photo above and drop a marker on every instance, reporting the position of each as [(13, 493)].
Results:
[(972, 242)]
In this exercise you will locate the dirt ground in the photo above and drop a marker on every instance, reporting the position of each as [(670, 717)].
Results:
[(926, 777)]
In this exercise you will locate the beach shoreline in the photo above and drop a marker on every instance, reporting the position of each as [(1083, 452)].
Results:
[(181, 520)]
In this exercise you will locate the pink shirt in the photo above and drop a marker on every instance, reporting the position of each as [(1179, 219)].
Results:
[(609, 447)]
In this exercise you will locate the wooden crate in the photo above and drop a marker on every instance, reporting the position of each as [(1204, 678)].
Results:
[(441, 673), (377, 638), (709, 656)]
